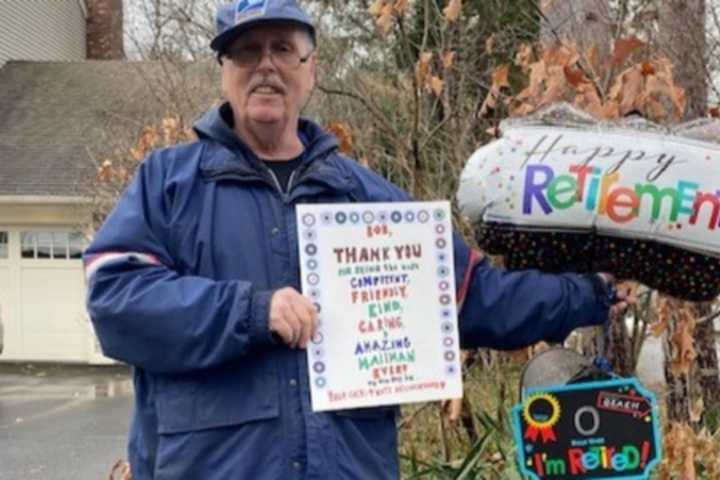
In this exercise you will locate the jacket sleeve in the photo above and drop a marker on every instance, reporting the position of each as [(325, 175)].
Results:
[(508, 310), (143, 311)]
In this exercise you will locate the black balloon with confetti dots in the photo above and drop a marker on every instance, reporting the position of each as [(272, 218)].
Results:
[(676, 272)]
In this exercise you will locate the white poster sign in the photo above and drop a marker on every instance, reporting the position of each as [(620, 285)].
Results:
[(382, 278)]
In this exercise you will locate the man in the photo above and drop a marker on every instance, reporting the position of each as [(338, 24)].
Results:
[(194, 278)]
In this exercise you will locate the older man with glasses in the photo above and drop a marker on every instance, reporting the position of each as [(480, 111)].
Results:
[(194, 279)]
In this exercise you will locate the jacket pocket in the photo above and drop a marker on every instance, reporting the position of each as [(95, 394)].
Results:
[(366, 440), (389, 411), (216, 398)]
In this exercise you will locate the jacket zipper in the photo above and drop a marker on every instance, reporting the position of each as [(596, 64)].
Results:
[(290, 182), (278, 187)]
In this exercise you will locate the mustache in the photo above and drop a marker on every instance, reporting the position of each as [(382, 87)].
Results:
[(267, 82)]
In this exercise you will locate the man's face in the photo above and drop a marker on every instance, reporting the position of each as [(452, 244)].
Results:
[(275, 89)]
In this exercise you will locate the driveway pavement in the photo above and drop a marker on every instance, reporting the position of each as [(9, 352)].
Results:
[(62, 422)]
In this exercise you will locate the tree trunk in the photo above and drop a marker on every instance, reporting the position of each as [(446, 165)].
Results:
[(620, 349), (583, 22), (707, 363), (678, 390), (681, 37)]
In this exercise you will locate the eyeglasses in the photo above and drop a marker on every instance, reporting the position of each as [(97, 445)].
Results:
[(283, 55)]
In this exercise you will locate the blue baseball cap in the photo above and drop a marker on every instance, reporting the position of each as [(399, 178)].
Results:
[(236, 17)]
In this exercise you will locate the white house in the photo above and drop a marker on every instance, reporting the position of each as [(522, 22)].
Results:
[(52, 100), (49, 113), (65, 92)]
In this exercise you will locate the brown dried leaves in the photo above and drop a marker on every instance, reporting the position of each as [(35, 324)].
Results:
[(499, 81), (624, 48), (684, 449), (678, 319), (452, 11), (341, 130), (120, 471), (385, 12), (426, 78), (563, 73), (170, 131)]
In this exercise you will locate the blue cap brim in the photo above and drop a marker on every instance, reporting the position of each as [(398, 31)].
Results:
[(222, 41)]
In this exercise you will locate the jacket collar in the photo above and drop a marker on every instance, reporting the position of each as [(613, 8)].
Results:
[(230, 156)]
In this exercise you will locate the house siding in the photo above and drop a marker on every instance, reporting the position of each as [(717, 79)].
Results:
[(42, 30)]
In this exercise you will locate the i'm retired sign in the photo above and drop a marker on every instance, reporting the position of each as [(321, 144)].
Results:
[(601, 430)]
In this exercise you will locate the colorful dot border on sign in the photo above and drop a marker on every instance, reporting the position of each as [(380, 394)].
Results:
[(449, 355), (308, 219), (355, 217), (319, 367), (313, 279)]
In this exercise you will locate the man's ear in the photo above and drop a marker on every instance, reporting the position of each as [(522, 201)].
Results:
[(223, 85), (313, 67)]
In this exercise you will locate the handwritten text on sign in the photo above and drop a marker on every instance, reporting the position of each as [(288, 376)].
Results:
[(381, 276)]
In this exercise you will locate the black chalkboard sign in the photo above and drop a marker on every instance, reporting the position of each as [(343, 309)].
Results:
[(600, 430)]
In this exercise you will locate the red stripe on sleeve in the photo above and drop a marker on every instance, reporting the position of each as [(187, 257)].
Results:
[(475, 257)]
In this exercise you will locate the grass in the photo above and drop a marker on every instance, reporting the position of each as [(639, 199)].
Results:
[(480, 447)]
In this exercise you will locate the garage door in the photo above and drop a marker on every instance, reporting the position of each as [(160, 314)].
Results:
[(42, 296)]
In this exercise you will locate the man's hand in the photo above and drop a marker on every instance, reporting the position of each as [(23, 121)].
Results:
[(623, 297), (292, 317)]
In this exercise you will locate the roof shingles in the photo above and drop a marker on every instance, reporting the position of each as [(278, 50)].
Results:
[(55, 117)]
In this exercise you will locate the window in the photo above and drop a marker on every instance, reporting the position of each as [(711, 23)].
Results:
[(51, 245), (77, 245), (27, 245), (3, 244), (60, 245), (44, 245)]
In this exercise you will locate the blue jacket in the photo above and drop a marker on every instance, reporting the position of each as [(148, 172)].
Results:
[(180, 278)]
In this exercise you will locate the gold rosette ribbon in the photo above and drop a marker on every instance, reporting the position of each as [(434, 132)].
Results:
[(542, 427)]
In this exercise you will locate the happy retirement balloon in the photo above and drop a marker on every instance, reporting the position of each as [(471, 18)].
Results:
[(563, 191)]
